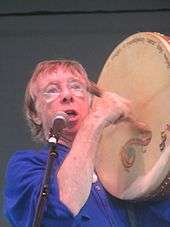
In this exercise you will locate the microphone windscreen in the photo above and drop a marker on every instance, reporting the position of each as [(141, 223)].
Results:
[(59, 122)]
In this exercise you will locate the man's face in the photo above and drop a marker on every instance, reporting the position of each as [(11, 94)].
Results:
[(61, 91)]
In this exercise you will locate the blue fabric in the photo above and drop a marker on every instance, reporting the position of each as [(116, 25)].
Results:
[(23, 181)]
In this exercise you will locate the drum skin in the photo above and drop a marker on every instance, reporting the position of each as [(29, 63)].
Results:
[(133, 164)]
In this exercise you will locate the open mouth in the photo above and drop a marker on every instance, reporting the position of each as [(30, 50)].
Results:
[(71, 113)]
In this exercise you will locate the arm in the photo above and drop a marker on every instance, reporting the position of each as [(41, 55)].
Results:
[(22, 187), (75, 174)]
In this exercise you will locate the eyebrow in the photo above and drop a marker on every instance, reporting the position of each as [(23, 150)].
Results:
[(78, 80), (49, 84), (74, 79)]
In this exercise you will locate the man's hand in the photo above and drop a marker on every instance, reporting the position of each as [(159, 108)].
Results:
[(110, 108)]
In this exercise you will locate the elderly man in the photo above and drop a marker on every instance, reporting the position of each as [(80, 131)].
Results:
[(77, 197)]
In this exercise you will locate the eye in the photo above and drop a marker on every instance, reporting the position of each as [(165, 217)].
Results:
[(77, 86), (52, 89)]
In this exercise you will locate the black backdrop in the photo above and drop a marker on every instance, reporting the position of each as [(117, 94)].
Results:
[(83, 30)]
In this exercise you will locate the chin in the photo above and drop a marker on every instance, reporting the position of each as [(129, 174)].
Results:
[(72, 130)]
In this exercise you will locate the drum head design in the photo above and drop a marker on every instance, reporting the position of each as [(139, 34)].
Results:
[(130, 163)]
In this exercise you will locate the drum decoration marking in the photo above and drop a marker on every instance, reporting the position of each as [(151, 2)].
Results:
[(136, 40), (150, 41), (128, 151), (159, 48), (164, 137), (139, 166)]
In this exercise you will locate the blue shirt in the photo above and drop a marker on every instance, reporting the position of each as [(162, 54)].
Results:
[(23, 182)]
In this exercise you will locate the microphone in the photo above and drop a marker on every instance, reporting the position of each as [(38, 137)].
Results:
[(60, 121)]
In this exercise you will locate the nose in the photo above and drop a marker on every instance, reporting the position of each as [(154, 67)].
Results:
[(66, 96)]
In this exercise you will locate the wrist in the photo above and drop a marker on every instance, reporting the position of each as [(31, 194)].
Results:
[(94, 122)]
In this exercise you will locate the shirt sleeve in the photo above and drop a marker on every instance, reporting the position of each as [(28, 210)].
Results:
[(23, 183)]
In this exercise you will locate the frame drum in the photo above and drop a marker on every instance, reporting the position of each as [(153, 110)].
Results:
[(134, 164)]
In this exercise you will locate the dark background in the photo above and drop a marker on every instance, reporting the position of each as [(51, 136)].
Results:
[(86, 31)]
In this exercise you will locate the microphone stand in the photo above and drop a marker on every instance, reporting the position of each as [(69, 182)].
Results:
[(53, 153)]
